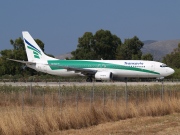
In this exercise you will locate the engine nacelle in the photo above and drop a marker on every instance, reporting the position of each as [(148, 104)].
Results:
[(103, 75)]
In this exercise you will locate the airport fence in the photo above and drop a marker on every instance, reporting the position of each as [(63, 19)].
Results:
[(44, 97)]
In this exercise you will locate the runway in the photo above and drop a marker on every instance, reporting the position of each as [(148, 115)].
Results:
[(53, 84)]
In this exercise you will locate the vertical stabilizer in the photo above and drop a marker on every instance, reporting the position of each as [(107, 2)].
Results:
[(34, 52)]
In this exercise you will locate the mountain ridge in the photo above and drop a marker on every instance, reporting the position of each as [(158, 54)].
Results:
[(159, 49)]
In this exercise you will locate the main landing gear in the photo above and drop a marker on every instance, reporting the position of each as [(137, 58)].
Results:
[(89, 79)]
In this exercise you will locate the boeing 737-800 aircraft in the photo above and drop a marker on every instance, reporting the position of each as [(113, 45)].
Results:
[(97, 69)]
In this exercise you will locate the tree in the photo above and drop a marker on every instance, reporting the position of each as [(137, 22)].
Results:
[(6, 66), (121, 52), (85, 47), (101, 45), (106, 44), (130, 49), (147, 57), (17, 44), (173, 59)]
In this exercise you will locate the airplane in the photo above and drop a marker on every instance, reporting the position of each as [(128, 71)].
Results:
[(92, 69)]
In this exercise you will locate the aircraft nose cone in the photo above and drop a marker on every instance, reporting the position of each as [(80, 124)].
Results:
[(171, 71)]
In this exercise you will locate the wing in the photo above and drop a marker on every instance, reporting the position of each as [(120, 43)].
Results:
[(77, 70)]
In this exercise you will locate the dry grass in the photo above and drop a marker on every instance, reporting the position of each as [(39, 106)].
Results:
[(53, 113), (52, 119), (164, 125)]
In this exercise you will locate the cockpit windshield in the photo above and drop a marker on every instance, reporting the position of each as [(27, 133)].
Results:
[(163, 65)]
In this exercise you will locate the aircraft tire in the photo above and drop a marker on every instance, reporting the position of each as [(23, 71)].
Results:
[(89, 79)]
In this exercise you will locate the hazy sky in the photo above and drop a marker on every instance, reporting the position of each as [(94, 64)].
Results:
[(59, 23)]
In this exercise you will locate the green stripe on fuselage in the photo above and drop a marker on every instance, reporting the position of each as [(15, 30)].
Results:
[(92, 64)]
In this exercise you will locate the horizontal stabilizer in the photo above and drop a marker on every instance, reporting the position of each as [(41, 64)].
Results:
[(21, 61)]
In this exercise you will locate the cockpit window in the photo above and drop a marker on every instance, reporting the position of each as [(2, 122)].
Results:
[(163, 65)]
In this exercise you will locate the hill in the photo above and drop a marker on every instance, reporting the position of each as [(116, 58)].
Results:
[(158, 49)]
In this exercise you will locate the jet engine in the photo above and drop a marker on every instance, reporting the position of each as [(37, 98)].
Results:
[(103, 75)]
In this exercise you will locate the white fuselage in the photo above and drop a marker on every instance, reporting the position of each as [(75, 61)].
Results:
[(130, 68)]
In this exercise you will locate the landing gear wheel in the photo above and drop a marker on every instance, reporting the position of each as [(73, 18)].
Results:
[(89, 79)]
